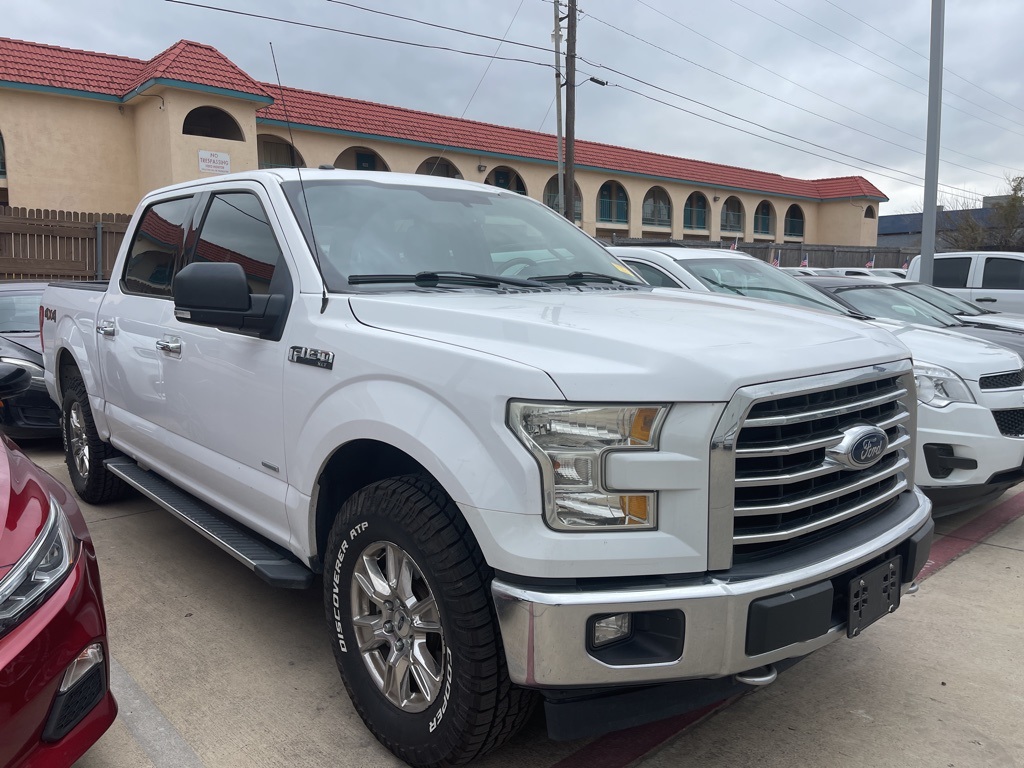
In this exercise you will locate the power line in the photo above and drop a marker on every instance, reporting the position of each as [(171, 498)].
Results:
[(794, 83), (622, 74), (922, 55), (781, 100), (862, 65)]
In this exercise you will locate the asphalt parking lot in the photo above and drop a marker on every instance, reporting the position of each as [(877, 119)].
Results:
[(211, 667)]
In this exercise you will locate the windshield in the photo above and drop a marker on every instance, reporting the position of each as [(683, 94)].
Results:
[(753, 278), (944, 301), (893, 304), (19, 312), (366, 228)]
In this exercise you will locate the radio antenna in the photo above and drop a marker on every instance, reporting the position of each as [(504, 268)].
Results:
[(302, 187)]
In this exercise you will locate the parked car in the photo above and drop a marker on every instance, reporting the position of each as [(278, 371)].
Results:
[(31, 413), (992, 278), (965, 311), (522, 473), (970, 423), (55, 698)]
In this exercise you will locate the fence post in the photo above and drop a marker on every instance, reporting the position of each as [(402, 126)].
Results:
[(99, 249)]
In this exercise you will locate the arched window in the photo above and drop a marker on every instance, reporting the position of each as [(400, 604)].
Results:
[(695, 212), (657, 211), (212, 122), (732, 215), (612, 203), (506, 178), (361, 159), (3, 159), (551, 197), (794, 223), (764, 219), (440, 167), (275, 152), (869, 212)]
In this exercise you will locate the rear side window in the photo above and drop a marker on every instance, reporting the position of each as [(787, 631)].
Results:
[(155, 248), (952, 273), (1003, 273), (651, 275), (236, 229)]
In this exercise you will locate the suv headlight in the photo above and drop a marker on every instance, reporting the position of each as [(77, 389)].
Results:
[(39, 571), (938, 386), (569, 441)]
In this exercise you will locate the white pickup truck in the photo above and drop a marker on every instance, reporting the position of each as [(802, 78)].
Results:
[(993, 279), (556, 482)]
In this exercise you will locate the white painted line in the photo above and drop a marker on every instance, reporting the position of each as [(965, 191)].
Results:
[(154, 733)]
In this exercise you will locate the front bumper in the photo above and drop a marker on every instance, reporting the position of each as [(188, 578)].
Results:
[(31, 414), (971, 433), (545, 631), (40, 728)]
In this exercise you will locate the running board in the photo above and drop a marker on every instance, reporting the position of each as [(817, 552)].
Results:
[(273, 567)]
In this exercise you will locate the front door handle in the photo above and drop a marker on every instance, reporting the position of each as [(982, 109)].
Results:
[(170, 346), (987, 300), (105, 328)]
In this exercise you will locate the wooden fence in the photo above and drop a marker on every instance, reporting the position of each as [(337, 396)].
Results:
[(58, 245), (792, 254)]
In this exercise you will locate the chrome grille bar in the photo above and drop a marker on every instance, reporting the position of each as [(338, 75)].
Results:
[(841, 410)]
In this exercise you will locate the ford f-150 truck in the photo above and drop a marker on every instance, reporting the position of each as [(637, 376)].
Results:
[(558, 482)]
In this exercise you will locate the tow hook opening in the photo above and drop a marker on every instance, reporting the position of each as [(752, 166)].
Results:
[(760, 676)]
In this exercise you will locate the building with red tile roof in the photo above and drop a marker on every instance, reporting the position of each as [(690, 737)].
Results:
[(81, 130)]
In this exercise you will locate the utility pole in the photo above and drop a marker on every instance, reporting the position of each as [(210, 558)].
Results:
[(931, 157), (556, 38), (570, 113)]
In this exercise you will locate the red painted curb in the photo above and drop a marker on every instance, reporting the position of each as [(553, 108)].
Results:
[(619, 749), (948, 547)]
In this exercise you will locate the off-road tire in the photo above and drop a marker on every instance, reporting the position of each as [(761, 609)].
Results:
[(93, 483), (477, 707)]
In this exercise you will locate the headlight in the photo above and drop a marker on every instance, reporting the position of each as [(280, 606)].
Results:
[(938, 386), (569, 442), (32, 368), (39, 571)]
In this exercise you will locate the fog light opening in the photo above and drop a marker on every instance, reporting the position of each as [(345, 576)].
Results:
[(91, 656), (611, 629)]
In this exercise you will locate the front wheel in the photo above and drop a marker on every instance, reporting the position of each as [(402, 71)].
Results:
[(413, 628)]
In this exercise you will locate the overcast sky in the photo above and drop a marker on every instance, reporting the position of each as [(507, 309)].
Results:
[(802, 68)]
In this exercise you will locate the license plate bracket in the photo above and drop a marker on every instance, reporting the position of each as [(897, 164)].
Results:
[(872, 595)]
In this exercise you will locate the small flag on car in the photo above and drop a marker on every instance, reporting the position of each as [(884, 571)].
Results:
[(871, 263), (803, 262), (775, 259)]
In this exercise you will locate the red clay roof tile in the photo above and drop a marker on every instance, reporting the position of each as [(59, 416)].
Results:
[(101, 73)]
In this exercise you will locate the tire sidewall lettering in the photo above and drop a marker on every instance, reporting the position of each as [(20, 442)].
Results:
[(336, 600), (436, 719)]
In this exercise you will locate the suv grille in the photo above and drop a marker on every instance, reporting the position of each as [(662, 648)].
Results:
[(1003, 380), (786, 492), (1011, 422)]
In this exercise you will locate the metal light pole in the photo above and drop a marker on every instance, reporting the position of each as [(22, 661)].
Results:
[(570, 113), (931, 161), (556, 38)]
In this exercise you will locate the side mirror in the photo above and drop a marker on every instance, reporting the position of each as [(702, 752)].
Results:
[(13, 380), (217, 293)]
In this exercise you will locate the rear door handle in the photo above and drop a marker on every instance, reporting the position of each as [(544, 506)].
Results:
[(986, 299), (105, 328), (170, 346)]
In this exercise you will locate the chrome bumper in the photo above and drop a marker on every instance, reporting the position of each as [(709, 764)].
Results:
[(544, 631)]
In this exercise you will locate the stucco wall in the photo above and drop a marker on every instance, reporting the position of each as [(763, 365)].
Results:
[(842, 222), (67, 153)]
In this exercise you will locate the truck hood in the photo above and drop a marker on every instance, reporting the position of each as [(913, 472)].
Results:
[(968, 357), (628, 345)]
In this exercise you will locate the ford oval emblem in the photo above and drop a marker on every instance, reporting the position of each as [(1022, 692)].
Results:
[(860, 447)]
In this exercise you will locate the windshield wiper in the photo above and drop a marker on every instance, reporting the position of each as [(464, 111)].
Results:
[(574, 278), (432, 279)]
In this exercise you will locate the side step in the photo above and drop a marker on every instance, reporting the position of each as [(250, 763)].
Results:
[(275, 568)]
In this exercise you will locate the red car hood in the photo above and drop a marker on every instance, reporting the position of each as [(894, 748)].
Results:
[(24, 505)]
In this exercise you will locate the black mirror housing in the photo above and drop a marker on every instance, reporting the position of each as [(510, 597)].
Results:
[(217, 293), (13, 380)]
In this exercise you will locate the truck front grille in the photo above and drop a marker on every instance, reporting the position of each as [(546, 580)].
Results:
[(784, 489), (1002, 380)]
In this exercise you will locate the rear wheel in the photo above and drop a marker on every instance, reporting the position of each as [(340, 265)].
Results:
[(84, 451), (407, 594)]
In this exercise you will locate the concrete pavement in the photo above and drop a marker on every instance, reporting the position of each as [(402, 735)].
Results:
[(214, 668)]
